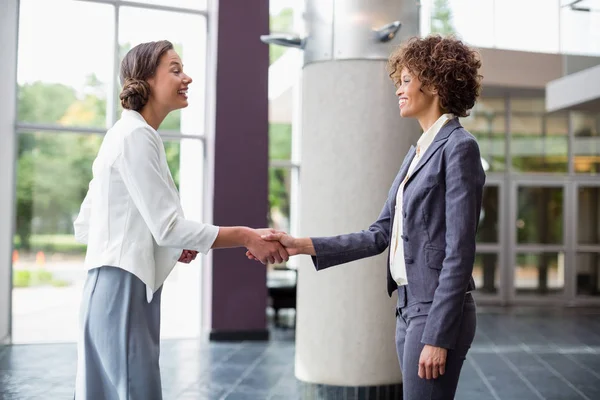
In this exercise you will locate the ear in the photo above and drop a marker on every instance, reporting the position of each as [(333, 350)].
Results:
[(429, 90), (151, 81)]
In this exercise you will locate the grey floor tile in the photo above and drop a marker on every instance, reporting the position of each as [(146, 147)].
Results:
[(223, 375), (284, 397), (245, 396), (590, 362), (183, 376), (16, 385), (502, 379), (252, 390), (582, 379), (546, 383), (56, 393), (245, 356), (517, 355), (262, 378), (199, 394), (471, 385)]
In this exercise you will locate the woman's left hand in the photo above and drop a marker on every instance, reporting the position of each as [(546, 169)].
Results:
[(187, 256), (432, 362)]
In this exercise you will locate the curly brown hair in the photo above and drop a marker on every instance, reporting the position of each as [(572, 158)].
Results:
[(445, 64)]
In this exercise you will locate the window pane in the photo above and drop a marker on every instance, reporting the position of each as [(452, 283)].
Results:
[(172, 150), (588, 274), (476, 31), (540, 273), (487, 123), (579, 33), (65, 62), (181, 299), (486, 273), (588, 221), (528, 105), (280, 141), (187, 32), (540, 215), (586, 148), (490, 27), (539, 142), (191, 4), (53, 173), (513, 20), (488, 220), (279, 198)]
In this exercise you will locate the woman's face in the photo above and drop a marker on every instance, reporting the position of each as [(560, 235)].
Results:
[(414, 100), (169, 85)]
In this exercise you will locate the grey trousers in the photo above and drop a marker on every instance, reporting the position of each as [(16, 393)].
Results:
[(410, 324), (119, 339)]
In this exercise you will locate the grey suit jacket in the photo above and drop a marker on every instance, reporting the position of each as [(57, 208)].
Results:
[(441, 206)]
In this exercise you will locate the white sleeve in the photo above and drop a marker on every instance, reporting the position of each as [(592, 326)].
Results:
[(141, 170), (81, 226)]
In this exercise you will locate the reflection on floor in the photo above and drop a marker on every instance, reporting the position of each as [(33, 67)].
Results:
[(518, 355)]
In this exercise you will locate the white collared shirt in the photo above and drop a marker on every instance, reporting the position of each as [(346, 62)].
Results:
[(131, 217), (397, 264)]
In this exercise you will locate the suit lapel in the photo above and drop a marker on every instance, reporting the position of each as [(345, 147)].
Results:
[(402, 173), (439, 141)]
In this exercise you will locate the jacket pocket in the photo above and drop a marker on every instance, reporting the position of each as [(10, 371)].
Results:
[(434, 257)]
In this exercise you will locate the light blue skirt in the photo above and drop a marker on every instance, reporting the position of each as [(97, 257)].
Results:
[(119, 339)]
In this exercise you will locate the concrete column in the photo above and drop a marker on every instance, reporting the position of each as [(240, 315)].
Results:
[(353, 142), (9, 26)]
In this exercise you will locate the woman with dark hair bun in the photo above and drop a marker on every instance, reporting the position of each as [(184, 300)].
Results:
[(133, 224)]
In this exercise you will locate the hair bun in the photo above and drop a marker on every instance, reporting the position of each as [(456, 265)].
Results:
[(135, 94)]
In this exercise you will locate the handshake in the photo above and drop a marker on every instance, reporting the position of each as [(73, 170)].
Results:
[(273, 247), (264, 245)]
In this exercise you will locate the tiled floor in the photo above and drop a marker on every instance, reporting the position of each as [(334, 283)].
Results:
[(517, 355)]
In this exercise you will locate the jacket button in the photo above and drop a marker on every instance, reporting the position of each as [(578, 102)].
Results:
[(418, 309)]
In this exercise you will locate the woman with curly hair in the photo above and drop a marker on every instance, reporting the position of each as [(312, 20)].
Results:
[(429, 220)]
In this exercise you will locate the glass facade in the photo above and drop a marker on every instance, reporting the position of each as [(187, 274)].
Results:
[(538, 236), (508, 24), (539, 231), (586, 142), (62, 115)]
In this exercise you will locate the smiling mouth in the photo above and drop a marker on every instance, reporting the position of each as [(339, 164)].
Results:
[(183, 92), (402, 102)]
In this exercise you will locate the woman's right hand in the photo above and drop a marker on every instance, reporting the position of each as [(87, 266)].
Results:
[(266, 251), (292, 245), (289, 242)]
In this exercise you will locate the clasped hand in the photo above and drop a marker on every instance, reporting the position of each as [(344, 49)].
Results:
[(187, 256), (282, 239), (264, 249)]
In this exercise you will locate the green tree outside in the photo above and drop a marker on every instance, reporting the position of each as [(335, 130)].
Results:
[(54, 169), (441, 18), (280, 135), (280, 23)]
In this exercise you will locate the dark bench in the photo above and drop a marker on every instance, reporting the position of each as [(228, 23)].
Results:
[(281, 287)]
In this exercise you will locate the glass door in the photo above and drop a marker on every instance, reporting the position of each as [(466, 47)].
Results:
[(585, 225), (538, 255), (489, 271)]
